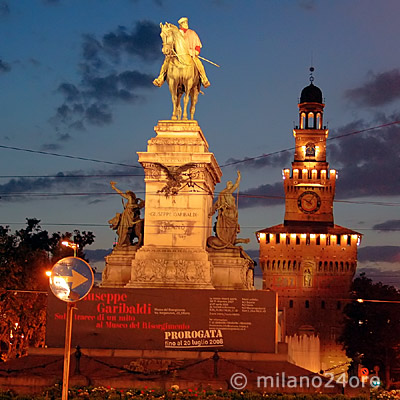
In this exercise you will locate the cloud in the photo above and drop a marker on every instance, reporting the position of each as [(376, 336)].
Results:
[(50, 147), (391, 225), (142, 41), (98, 114), (277, 160), (107, 76), (4, 67), (159, 3), (34, 62), (308, 5), (97, 255), (387, 277), (389, 254), (366, 161), (380, 89), (65, 137), (4, 9), (78, 181), (264, 195)]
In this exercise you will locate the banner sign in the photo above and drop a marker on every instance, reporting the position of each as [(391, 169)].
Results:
[(165, 319)]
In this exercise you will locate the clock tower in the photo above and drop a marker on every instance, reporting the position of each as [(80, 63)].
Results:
[(310, 188), (308, 260)]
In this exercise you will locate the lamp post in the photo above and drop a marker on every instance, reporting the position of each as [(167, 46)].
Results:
[(73, 245)]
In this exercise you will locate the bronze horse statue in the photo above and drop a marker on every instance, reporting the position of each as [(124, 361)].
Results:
[(182, 74)]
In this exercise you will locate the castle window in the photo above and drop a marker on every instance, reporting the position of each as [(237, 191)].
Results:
[(323, 304), (273, 264), (307, 304), (333, 333), (311, 120), (268, 264), (330, 266), (348, 240), (347, 266), (284, 265), (336, 266), (287, 239), (318, 241), (294, 265), (279, 264), (267, 238), (326, 266), (290, 303), (288, 265), (319, 121), (338, 240), (320, 266), (303, 121), (278, 238), (308, 239), (341, 266), (297, 239)]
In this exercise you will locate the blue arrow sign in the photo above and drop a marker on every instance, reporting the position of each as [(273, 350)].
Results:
[(71, 279)]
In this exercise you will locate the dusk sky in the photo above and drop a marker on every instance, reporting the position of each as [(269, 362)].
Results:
[(76, 80)]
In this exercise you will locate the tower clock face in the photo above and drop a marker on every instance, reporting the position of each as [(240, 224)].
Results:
[(309, 202)]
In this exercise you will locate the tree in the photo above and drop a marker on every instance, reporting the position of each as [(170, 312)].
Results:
[(372, 329), (25, 256)]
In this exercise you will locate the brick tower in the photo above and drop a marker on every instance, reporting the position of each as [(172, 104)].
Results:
[(308, 260)]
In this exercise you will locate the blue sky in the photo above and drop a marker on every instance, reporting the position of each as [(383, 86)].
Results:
[(75, 79)]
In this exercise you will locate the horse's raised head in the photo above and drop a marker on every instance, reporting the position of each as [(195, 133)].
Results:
[(167, 37)]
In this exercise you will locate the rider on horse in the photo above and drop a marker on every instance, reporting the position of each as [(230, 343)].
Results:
[(194, 45)]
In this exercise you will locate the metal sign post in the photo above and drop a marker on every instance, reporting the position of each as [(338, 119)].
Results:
[(67, 349), (71, 280)]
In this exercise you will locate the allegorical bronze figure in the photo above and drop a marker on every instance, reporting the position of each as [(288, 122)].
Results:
[(128, 224), (227, 226)]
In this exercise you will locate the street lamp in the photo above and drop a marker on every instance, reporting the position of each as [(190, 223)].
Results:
[(378, 301), (70, 244)]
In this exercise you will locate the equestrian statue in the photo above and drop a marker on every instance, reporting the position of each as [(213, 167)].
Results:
[(182, 68)]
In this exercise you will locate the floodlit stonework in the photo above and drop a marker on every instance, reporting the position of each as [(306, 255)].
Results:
[(181, 175), (308, 260)]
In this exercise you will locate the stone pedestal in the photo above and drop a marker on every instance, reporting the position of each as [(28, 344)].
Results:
[(171, 267), (231, 269), (117, 272), (181, 175)]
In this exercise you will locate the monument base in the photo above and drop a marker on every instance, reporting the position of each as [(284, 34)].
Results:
[(117, 272), (191, 370), (171, 267), (232, 269)]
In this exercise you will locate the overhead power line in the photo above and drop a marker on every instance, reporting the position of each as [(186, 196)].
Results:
[(157, 225), (69, 156), (141, 192), (70, 176), (247, 159)]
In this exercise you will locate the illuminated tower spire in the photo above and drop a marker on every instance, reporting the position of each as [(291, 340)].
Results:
[(310, 185)]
